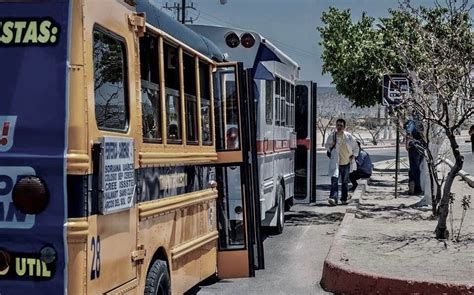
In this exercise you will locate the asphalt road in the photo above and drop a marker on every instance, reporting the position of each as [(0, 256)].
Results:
[(294, 260)]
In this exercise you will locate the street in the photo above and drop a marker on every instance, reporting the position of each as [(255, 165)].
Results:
[(294, 260)]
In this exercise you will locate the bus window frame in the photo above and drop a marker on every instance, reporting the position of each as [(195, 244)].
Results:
[(207, 69), (277, 100), (148, 83), (126, 81), (171, 91), (220, 70), (190, 98)]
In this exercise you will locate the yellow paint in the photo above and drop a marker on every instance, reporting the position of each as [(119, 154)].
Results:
[(183, 227)]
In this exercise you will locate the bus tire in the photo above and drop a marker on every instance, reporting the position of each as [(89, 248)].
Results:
[(158, 279), (278, 229)]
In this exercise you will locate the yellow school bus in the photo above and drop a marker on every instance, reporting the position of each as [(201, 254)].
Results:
[(122, 151)]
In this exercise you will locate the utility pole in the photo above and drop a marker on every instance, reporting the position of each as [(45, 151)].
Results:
[(181, 11)]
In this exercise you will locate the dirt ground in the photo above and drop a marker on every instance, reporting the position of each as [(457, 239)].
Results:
[(393, 238)]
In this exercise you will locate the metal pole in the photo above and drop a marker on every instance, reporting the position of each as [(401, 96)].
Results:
[(183, 11), (397, 157)]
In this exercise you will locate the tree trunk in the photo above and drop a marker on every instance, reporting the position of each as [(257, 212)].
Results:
[(441, 232), (324, 138)]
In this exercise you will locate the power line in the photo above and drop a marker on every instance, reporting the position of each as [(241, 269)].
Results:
[(181, 10)]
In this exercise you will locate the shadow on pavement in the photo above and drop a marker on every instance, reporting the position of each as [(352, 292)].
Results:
[(298, 218)]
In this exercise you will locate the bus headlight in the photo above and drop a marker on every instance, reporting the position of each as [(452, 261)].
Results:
[(30, 195), (232, 40), (247, 40)]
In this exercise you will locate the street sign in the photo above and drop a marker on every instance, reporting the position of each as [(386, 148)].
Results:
[(396, 88)]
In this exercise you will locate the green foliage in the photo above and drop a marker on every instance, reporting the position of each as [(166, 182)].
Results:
[(358, 54), (349, 57)]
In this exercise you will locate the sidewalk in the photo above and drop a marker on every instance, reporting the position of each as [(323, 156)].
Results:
[(385, 246)]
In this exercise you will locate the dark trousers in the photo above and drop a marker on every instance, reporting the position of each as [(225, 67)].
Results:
[(344, 176), (415, 158), (354, 176)]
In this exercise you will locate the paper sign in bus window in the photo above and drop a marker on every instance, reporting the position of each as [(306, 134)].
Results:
[(117, 175), (7, 130)]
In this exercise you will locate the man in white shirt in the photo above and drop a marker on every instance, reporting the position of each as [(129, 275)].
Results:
[(343, 149)]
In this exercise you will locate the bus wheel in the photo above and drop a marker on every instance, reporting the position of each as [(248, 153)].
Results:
[(280, 210), (158, 279)]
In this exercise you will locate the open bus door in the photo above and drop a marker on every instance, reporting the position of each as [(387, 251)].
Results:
[(305, 156), (240, 248)]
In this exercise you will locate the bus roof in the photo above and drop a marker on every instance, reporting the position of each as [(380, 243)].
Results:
[(164, 22), (217, 35)]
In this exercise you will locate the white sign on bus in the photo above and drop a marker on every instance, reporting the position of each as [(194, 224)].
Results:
[(117, 175)]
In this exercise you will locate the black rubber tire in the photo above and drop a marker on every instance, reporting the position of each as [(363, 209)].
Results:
[(158, 279), (278, 229)]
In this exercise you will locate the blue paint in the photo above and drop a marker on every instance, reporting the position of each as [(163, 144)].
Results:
[(33, 112)]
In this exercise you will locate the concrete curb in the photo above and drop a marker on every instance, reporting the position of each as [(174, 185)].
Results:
[(340, 278), (364, 147), (466, 176)]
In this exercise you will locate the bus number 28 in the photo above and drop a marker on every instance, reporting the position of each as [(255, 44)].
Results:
[(95, 265)]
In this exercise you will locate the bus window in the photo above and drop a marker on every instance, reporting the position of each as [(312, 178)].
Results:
[(191, 100), (292, 112), (282, 103), (287, 105), (231, 219), (173, 99), (227, 111), (205, 90), (277, 101), (302, 111), (110, 81), (269, 101), (151, 106)]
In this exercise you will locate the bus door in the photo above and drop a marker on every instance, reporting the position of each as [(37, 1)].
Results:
[(33, 124), (112, 249), (305, 156), (237, 221)]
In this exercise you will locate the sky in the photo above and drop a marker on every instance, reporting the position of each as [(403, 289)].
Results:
[(289, 24)]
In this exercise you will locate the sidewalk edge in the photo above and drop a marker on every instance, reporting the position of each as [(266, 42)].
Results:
[(464, 175), (341, 278)]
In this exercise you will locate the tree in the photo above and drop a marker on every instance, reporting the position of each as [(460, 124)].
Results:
[(354, 69), (323, 122), (434, 46), (437, 51), (374, 126)]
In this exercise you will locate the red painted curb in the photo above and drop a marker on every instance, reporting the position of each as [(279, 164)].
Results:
[(344, 280), (341, 278)]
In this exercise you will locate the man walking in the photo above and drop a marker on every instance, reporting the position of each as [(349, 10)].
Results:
[(364, 168), (342, 150)]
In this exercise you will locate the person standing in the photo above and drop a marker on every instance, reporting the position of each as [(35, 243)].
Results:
[(342, 149), (415, 157), (364, 168)]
